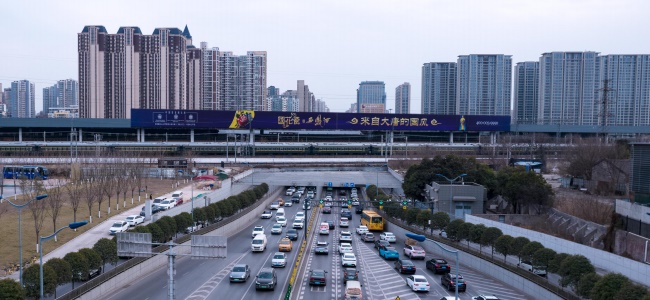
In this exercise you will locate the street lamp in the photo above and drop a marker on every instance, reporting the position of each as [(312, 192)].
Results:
[(451, 189), (73, 225), (422, 238), (20, 232)]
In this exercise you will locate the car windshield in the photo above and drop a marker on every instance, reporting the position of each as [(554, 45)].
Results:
[(275, 203), (407, 263), (390, 249), (318, 274), (265, 275), (166, 202), (130, 218), (239, 269), (277, 226), (118, 224), (278, 256), (420, 280), (417, 248), (281, 219)]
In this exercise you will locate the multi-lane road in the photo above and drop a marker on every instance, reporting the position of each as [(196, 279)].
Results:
[(208, 278)]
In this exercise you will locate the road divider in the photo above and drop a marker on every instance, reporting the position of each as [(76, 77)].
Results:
[(294, 273)]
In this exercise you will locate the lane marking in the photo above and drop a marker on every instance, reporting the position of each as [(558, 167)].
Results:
[(211, 284)]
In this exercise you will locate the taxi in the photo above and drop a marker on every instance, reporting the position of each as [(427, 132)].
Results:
[(285, 245)]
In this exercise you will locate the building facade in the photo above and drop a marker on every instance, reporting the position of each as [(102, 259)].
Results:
[(373, 93), (242, 81), (526, 96), (22, 98), (458, 199), (483, 84), (439, 88), (321, 106), (628, 81), (65, 93), (403, 98), (568, 88)]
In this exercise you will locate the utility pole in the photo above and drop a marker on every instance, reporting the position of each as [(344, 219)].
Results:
[(604, 109)]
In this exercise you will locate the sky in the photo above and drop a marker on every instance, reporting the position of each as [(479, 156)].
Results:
[(333, 45)]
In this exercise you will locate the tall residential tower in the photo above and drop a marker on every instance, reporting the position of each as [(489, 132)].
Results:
[(439, 88), (403, 98), (526, 93), (484, 83)]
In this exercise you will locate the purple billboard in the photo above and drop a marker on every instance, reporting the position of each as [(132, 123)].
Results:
[(246, 119)]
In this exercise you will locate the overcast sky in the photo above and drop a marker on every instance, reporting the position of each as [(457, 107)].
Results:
[(333, 45)]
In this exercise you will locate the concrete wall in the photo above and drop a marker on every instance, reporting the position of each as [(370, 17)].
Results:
[(634, 270), (633, 210), (468, 260), (160, 261)]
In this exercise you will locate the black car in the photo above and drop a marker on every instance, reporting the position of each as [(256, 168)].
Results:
[(318, 277), (381, 243), (322, 248), (266, 279), (295, 198), (438, 265), (405, 266), (292, 234), (346, 213), (350, 274), (358, 209), (154, 209), (331, 224), (449, 282)]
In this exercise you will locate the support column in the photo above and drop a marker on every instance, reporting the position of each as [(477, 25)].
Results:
[(191, 135), (142, 132), (451, 137), (20, 134), (81, 138)]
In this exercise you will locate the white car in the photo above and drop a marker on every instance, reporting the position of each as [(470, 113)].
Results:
[(167, 203), (355, 202), (267, 214), (134, 220), (298, 224), (279, 260), (348, 260), (300, 215), (414, 251), (119, 226), (290, 191), (276, 229), (345, 248), (362, 229), (418, 283), (387, 236), (344, 222), (345, 236), (281, 220), (258, 230), (288, 204)]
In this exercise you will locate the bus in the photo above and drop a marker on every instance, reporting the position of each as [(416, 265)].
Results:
[(372, 220), (25, 172)]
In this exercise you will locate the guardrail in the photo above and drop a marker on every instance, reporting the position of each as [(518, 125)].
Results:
[(292, 280), (97, 281)]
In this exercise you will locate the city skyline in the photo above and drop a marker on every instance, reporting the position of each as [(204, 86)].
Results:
[(334, 59)]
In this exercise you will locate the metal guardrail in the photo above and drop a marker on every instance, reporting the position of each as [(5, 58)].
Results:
[(97, 281)]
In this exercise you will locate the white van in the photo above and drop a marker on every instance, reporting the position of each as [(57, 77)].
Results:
[(324, 228), (177, 194), (259, 243), (353, 290), (280, 212)]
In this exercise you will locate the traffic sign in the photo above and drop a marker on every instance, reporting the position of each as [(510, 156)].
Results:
[(329, 184), (349, 206), (404, 207), (351, 184), (320, 205), (321, 201), (381, 202), (404, 203), (347, 184), (349, 201), (381, 207)]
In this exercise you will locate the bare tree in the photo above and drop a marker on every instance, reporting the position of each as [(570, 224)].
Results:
[(89, 194), (31, 189), (55, 202), (73, 191)]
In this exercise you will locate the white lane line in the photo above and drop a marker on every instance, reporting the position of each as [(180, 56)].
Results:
[(212, 283)]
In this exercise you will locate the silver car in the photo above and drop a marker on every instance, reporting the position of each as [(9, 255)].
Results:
[(240, 273)]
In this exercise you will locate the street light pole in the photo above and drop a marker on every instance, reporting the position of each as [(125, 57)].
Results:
[(73, 225), (20, 232), (451, 189)]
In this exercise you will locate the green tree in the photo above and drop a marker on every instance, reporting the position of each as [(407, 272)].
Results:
[(465, 232), (503, 245), (62, 270), (199, 216), (555, 263), (423, 218), (165, 229), (476, 233), (543, 257), (453, 228), (259, 192), (631, 292), (107, 250), (218, 214), (139, 229), (440, 220), (518, 244), (94, 259), (32, 280), (489, 236), (210, 213), (411, 215), (526, 253), (586, 284), (11, 290), (608, 286), (157, 234), (171, 224), (523, 189), (183, 220), (80, 266), (573, 268)]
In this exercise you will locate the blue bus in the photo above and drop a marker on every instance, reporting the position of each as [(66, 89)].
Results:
[(25, 172)]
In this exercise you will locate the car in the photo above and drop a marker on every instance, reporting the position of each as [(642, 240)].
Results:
[(279, 260), (300, 215), (276, 229), (331, 224), (362, 229), (414, 251), (290, 191), (257, 230), (418, 283), (119, 226), (134, 220), (288, 204), (322, 247), (281, 220), (275, 205), (345, 236), (317, 277), (306, 205), (285, 245), (368, 237), (388, 236), (298, 224), (157, 201), (266, 279), (358, 210), (537, 270), (345, 248), (292, 234), (448, 280), (295, 198), (192, 228), (240, 273), (267, 214), (388, 252), (348, 260), (355, 202), (328, 204), (379, 243), (310, 194), (484, 297), (344, 222), (346, 213), (328, 198), (280, 203), (327, 210), (405, 266), (350, 274), (438, 265), (167, 203), (154, 209)]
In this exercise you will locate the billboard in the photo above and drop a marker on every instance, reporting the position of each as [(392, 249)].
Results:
[(249, 119)]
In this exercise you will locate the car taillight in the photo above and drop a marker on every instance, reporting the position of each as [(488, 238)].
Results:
[(437, 266)]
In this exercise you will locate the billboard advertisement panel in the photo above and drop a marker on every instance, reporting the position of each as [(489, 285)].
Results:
[(249, 119)]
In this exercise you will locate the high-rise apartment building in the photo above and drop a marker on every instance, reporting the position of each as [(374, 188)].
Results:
[(63, 94), (526, 93), (371, 95), (306, 97), (403, 98), (22, 98), (568, 88), (628, 79), (321, 106), (242, 81), (483, 84), (439, 88)]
